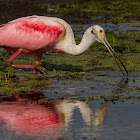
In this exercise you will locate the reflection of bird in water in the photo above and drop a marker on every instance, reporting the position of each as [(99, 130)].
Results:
[(28, 115), (90, 116), (47, 118), (31, 120), (35, 35)]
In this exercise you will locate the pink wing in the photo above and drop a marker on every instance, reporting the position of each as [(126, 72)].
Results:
[(30, 33)]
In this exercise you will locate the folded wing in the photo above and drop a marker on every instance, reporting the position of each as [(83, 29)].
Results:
[(30, 33)]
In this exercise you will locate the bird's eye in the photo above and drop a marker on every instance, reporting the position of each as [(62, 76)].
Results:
[(101, 31)]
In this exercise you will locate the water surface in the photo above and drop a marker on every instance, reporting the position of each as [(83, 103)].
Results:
[(68, 111)]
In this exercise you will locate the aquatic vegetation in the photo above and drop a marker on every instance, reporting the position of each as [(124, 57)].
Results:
[(135, 24), (6, 73), (105, 10), (22, 83), (112, 38), (111, 11)]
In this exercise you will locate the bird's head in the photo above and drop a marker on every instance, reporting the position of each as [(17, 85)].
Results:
[(98, 32), (100, 36)]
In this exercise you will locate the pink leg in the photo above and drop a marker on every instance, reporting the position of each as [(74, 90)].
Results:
[(38, 58), (13, 57), (36, 64), (9, 61), (34, 67)]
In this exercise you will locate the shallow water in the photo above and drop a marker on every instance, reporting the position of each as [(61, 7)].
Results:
[(66, 111)]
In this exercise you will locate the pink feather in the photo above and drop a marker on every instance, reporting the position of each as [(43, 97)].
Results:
[(29, 33)]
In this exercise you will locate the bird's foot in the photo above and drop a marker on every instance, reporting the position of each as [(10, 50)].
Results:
[(34, 67)]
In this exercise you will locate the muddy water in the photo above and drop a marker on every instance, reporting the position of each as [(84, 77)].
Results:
[(105, 108)]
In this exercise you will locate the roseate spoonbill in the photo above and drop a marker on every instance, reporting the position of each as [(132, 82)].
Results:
[(35, 35)]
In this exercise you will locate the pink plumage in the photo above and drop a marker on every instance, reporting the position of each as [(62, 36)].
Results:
[(34, 35), (30, 33)]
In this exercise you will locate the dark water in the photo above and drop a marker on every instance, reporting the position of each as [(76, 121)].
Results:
[(65, 111), (68, 111)]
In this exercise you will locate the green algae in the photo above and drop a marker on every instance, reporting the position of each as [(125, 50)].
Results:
[(105, 10), (25, 83), (135, 24), (110, 11)]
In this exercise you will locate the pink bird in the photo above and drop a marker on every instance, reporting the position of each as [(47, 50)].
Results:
[(35, 35)]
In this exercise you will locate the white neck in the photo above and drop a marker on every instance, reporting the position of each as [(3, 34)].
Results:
[(85, 43), (69, 46)]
